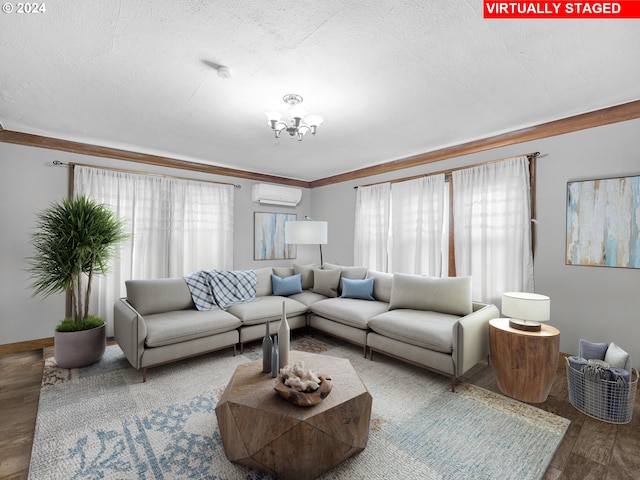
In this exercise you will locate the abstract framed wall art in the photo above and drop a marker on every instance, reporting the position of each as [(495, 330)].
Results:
[(268, 242), (603, 222)]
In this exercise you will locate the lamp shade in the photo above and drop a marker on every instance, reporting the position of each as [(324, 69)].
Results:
[(305, 232), (526, 306)]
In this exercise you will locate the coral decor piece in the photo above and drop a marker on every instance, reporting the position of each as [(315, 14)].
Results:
[(300, 379), (301, 387)]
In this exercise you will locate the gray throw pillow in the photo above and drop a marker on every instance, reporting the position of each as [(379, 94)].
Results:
[(354, 273), (592, 350), (306, 272), (325, 282)]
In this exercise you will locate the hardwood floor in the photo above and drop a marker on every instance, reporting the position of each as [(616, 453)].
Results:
[(590, 450)]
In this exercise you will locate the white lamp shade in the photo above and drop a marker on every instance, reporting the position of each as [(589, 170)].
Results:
[(526, 306), (305, 232), (313, 120), (273, 115), (297, 111)]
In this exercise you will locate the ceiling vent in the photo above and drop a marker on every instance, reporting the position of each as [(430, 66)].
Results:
[(276, 194)]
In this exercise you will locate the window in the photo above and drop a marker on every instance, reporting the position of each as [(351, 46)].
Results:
[(176, 226), (491, 212)]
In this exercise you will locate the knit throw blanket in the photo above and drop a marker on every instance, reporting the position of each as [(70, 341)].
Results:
[(596, 370), (221, 288)]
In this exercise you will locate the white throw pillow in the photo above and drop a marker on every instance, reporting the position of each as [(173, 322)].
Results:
[(615, 356)]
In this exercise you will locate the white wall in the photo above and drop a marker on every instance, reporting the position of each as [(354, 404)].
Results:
[(29, 183), (595, 303), (26, 185)]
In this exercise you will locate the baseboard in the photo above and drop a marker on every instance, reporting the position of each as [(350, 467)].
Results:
[(26, 346)]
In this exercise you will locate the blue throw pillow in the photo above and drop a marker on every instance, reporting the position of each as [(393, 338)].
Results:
[(286, 286), (361, 289)]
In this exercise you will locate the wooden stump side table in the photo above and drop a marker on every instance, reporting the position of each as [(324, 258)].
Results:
[(524, 362)]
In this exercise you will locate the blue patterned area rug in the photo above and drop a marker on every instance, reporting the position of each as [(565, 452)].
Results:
[(101, 422)]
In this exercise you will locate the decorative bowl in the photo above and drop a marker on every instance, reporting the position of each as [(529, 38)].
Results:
[(304, 399)]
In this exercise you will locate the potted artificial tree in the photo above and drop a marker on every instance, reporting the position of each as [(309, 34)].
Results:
[(74, 240)]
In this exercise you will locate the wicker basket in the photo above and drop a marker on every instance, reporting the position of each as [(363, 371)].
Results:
[(604, 400)]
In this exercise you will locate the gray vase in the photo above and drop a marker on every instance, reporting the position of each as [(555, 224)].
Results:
[(78, 349), (267, 347)]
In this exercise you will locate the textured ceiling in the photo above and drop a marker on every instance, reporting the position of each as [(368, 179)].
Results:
[(391, 78)]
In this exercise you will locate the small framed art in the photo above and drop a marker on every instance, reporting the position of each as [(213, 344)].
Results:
[(268, 243)]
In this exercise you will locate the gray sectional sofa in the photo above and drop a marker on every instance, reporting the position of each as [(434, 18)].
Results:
[(426, 321)]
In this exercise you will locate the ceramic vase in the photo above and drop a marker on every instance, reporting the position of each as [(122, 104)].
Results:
[(283, 338), (267, 347), (274, 358)]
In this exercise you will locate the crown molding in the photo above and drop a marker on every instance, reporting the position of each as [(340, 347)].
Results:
[(597, 118), (32, 140)]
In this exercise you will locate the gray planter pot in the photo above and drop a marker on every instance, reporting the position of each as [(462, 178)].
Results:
[(78, 349)]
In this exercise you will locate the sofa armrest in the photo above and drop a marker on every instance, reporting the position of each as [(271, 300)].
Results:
[(129, 331), (471, 337)]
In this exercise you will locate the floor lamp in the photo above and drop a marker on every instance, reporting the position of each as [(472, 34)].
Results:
[(307, 232)]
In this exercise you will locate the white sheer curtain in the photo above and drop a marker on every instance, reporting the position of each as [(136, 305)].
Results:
[(417, 217), (175, 227), (372, 226), (492, 228)]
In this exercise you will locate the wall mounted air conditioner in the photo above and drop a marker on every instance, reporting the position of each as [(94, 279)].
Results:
[(276, 194)]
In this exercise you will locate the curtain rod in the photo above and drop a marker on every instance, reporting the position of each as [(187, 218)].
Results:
[(58, 163), (450, 171)]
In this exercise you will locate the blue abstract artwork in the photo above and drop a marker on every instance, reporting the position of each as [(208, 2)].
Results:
[(603, 222), (269, 241)]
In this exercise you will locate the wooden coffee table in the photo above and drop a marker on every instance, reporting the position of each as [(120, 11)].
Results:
[(263, 431)]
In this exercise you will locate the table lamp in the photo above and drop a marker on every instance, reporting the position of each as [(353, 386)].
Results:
[(526, 310), (308, 231)]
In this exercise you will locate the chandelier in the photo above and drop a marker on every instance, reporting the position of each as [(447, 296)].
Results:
[(295, 120)]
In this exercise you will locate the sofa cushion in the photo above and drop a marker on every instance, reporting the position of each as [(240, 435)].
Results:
[(286, 286), (426, 329), (325, 282), (306, 274), (349, 311), (266, 308), (381, 285), (445, 295), (307, 297), (264, 286), (283, 271), (182, 325), (362, 289), (356, 273), (159, 295)]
